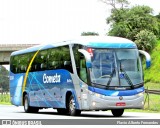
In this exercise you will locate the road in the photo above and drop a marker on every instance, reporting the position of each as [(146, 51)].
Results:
[(13, 112)]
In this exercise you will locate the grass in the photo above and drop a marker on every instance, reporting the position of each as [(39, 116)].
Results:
[(153, 73), (152, 86), (153, 104), (141, 110), (5, 103), (5, 99)]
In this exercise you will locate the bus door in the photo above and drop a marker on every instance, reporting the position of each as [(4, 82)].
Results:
[(84, 87)]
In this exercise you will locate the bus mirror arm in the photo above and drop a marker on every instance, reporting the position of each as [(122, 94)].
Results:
[(147, 56), (87, 57)]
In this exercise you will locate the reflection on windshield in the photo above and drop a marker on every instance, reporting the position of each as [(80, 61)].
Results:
[(107, 65)]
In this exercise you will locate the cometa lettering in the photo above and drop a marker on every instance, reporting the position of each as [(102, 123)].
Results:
[(51, 79)]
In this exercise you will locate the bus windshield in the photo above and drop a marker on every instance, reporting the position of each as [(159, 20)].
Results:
[(116, 67)]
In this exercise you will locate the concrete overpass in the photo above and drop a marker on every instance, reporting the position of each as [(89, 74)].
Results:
[(7, 49)]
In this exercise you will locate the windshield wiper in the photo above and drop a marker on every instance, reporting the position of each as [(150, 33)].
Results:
[(126, 76), (110, 79), (98, 84)]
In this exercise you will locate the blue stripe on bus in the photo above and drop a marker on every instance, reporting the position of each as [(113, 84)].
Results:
[(116, 92), (111, 45)]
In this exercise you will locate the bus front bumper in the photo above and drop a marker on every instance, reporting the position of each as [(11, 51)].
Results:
[(101, 102)]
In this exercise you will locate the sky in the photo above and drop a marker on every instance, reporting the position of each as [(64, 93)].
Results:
[(46, 21)]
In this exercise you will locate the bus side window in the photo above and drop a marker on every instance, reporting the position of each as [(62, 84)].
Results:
[(59, 58)]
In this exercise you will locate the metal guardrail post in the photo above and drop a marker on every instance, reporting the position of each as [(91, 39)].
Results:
[(148, 92), (147, 96)]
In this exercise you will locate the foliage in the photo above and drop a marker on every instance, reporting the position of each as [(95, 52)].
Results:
[(4, 79), (153, 73), (158, 18), (145, 40), (89, 34), (129, 22)]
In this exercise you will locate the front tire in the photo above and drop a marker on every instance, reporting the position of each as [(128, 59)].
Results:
[(27, 108), (117, 112), (72, 107)]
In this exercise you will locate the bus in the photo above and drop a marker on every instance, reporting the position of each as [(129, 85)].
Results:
[(83, 74)]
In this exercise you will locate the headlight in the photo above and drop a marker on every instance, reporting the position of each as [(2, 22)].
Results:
[(90, 92)]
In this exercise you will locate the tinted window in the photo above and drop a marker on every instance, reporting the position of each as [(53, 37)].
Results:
[(50, 59), (19, 64)]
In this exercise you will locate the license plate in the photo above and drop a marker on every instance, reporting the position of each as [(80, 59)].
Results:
[(121, 104)]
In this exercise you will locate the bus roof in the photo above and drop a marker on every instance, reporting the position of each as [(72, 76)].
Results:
[(89, 41)]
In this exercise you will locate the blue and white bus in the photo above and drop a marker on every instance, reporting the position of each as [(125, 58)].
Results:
[(89, 73)]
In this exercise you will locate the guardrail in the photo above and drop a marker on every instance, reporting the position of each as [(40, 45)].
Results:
[(150, 102), (152, 91)]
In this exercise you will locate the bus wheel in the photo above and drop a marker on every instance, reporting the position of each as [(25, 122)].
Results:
[(72, 107), (117, 112), (27, 108)]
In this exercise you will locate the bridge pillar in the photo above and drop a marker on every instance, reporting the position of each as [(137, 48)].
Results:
[(5, 57)]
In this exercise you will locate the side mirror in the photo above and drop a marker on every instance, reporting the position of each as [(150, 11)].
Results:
[(87, 57), (147, 56)]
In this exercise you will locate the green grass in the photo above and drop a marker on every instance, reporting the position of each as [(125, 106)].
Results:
[(152, 86), (153, 104), (141, 110), (5, 103), (153, 73), (5, 99)]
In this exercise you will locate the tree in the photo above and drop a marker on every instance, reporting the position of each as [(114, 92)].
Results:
[(4, 79), (128, 22), (146, 40), (116, 3), (89, 34)]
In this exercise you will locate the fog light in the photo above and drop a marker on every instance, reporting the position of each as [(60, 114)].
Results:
[(94, 103)]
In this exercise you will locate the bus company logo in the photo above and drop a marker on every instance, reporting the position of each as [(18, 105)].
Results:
[(51, 79)]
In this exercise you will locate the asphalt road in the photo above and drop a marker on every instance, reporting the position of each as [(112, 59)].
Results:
[(13, 112)]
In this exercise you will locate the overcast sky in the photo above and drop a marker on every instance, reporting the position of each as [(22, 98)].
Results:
[(43, 21)]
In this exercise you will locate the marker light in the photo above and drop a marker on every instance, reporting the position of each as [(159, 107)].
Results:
[(90, 50)]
